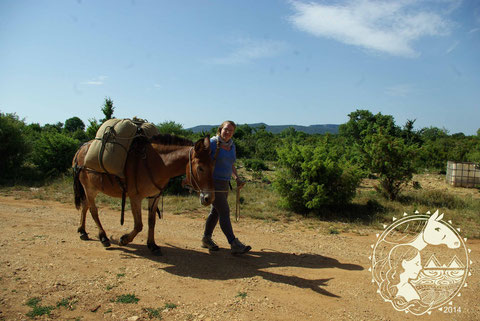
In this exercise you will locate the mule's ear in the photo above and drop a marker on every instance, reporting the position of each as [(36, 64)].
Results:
[(199, 146), (439, 218), (434, 216), (206, 142)]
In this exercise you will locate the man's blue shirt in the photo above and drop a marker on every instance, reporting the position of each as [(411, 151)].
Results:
[(225, 161)]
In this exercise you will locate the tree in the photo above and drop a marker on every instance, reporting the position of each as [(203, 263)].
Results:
[(13, 146), (265, 145), (392, 160), (107, 109), (433, 133), (363, 122), (244, 141), (92, 128), (172, 128), (53, 127), (73, 124), (410, 135)]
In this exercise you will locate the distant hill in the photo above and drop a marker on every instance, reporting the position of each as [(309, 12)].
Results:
[(275, 129)]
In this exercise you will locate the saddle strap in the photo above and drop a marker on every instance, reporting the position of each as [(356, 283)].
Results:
[(145, 162), (124, 196)]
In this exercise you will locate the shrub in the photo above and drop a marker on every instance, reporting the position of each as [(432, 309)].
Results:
[(174, 186), (172, 128), (53, 153), (255, 165), (312, 177), (14, 147), (392, 160), (92, 128)]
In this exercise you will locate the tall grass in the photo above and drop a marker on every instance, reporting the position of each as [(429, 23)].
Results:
[(260, 201)]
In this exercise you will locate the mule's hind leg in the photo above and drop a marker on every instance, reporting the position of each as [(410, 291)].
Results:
[(81, 228), (94, 211), (101, 232), (135, 204), (152, 208)]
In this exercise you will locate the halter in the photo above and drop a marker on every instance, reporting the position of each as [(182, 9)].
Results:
[(197, 188), (192, 179)]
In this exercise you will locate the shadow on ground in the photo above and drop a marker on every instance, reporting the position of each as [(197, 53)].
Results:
[(222, 265)]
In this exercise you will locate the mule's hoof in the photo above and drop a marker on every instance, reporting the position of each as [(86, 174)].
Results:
[(105, 241), (84, 237), (155, 249), (123, 240)]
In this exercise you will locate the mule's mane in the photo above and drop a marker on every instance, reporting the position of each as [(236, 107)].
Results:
[(170, 140)]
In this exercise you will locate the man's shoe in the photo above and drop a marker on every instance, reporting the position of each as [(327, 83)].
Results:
[(209, 244), (239, 248)]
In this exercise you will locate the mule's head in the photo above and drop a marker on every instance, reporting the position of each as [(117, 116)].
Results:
[(437, 233), (199, 171)]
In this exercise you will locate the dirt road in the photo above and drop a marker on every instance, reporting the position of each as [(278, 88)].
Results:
[(293, 272)]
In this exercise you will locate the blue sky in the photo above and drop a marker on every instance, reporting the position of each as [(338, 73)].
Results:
[(280, 62)]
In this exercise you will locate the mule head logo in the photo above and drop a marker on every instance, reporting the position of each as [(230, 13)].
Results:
[(406, 265)]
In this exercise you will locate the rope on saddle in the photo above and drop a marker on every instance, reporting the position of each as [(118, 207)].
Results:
[(145, 162), (124, 196), (150, 175), (159, 212)]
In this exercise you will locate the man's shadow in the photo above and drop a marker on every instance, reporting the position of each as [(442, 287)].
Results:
[(222, 265)]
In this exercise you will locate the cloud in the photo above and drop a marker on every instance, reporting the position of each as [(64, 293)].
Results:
[(382, 26), (247, 50), (400, 90), (95, 82), (452, 47)]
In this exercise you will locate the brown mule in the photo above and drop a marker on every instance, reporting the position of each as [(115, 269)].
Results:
[(149, 166)]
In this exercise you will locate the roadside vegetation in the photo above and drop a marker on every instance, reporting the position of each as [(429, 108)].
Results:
[(362, 177)]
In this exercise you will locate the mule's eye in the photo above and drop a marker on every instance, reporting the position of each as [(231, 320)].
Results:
[(437, 229), (200, 169)]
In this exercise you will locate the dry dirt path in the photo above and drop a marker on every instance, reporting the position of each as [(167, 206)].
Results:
[(292, 273)]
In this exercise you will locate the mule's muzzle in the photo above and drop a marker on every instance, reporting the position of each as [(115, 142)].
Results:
[(206, 198)]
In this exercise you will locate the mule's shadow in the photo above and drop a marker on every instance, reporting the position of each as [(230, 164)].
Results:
[(222, 265)]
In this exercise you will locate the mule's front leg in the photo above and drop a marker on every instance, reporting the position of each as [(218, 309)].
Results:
[(152, 208), (137, 222)]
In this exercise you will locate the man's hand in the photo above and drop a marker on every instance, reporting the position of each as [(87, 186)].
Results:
[(240, 183)]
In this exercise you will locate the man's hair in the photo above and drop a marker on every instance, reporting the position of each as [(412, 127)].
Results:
[(219, 129)]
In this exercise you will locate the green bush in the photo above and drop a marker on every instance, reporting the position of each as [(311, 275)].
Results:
[(14, 147), (53, 153), (92, 128), (172, 128), (392, 160), (312, 177), (174, 187), (255, 165), (73, 124)]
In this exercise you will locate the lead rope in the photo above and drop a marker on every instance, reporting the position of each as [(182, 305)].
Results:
[(197, 188)]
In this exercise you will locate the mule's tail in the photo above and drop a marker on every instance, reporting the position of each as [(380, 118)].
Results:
[(78, 190)]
